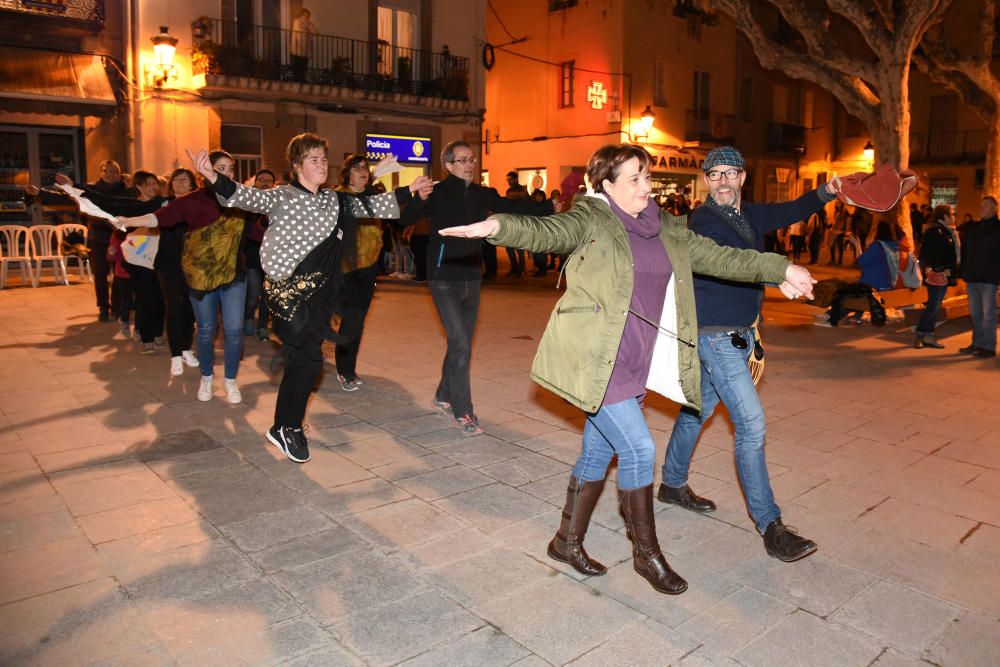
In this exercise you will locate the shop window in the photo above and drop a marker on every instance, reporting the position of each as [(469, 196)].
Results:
[(944, 191), (245, 143), (567, 75), (660, 83)]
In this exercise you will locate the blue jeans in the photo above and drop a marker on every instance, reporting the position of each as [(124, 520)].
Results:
[(619, 428), (983, 312), (232, 299), (726, 377), (457, 303), (935, 295)]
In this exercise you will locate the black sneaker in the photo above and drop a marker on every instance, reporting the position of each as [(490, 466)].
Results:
[(783, 543), (291, 442)]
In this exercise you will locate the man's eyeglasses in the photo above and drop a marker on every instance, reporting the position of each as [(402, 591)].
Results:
[(466, 160), (728, 173)]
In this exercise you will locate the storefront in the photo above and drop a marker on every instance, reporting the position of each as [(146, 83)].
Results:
[(677, 172), (34, 155)]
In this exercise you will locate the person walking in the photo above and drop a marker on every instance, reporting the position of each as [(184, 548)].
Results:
[(626, 324), (980, 268), (310, 227), (255, 313), (99, 235), (727, 313), (517, 257), (939, 259), (454, 274)]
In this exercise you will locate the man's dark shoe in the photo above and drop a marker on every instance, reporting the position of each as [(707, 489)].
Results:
[(784, 544), (984, 354), (104, 315), (971, 349), (291, 441), (684, 497)]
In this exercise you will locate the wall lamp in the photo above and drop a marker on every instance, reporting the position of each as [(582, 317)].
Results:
[(163, 70)]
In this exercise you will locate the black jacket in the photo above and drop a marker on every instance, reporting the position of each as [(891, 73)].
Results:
[(454, 203), (937, 250), (981, 251)]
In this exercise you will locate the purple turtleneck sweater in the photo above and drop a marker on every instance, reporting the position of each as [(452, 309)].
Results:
[(651, 271)]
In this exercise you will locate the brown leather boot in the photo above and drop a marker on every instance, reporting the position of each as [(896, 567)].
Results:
[(637, 507), (567, 545)]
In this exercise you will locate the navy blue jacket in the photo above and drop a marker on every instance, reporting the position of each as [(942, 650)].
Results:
[(722, 303)]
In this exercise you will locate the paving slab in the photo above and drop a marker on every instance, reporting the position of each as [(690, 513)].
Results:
[(802, 638)]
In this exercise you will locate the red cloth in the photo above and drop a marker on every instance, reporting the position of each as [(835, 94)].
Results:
[(878, 191), (198, 209)]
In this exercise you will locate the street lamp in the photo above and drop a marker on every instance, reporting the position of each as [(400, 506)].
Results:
[(646, 119), (869, 153), (164, 46)]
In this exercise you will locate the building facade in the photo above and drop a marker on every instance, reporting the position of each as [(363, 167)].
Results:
[(244, 75)]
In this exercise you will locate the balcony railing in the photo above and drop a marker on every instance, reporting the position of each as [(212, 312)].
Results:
[(224, 47), (79, 10), (709, 126), (962, 146), (786, 138)]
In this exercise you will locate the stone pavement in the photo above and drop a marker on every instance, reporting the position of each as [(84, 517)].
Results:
[(139, 526)]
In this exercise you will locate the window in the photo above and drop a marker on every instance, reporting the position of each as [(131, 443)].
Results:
[(567, 69), (397, 34), (245, 144), (660, 83), (852, 127), (779, 104), (701, 97), (556, 5)]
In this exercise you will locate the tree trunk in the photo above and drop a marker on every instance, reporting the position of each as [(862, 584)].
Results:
[(991, 179), (891, 136)]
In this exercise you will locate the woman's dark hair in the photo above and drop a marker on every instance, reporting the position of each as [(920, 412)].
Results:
[(350, 162), (140, 177), (607, 161), (939, 213), (885, 231), (180, 172), (265, 170), (217, 155)]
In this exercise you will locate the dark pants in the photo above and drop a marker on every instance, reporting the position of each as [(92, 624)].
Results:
[(299, 66), (359, 287), (179, 314), (815, 245), (458, 306), (148, 302), (419, 243), (101, 267), (126, 302), (935, 295), (517, 259), (798, 246), (837, 249), (303, 365), (255, 301), (489, 259), (541, 262)]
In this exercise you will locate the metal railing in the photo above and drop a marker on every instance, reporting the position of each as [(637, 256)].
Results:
[(709, 126), (80, 10), (225, 47), (786, 138), (958, 146)]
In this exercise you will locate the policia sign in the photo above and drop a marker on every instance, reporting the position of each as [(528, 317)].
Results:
[(406, 149)]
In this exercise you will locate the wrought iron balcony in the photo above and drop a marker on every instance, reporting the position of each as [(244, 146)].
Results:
[(786, 138), (89, 11), (226, 48), (709, 127), (962, 146)]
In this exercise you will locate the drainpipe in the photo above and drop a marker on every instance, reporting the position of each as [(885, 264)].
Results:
[(136, 87)]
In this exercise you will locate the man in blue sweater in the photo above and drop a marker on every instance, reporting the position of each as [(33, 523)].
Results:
[(727, 312)]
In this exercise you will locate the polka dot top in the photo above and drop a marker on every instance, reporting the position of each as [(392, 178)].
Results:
[(301, 220)]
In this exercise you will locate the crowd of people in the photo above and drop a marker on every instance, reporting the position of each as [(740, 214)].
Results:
[(661, 296)]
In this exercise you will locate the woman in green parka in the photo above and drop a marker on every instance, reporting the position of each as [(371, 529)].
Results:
[(626, 324)]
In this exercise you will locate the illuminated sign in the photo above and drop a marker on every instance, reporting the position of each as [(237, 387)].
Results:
[(597, 95), (406, 149)]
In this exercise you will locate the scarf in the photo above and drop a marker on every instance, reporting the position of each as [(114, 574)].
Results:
[(733, 217)]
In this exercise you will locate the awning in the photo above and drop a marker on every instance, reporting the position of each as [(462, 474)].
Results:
[(54, 82)]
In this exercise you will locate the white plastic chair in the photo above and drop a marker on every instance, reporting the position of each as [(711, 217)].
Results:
[(15, 246), (83, 264), (45, 240)]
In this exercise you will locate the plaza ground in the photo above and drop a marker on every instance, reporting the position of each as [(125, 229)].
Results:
[(139, 526)]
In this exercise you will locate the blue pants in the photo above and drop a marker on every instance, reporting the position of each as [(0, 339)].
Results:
[(726, 377), (983, 313), (231, 299), (619, 428), (935, 295)]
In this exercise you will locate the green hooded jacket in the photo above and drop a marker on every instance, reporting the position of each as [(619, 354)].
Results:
[(580, 344)]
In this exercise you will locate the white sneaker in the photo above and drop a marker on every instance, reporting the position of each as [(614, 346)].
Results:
[(176, 365), (188, 357), (233, 394), (205, 388)]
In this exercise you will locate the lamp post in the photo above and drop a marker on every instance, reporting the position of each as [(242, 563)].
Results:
[(646, 119), (164, 46), (869, 153)]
